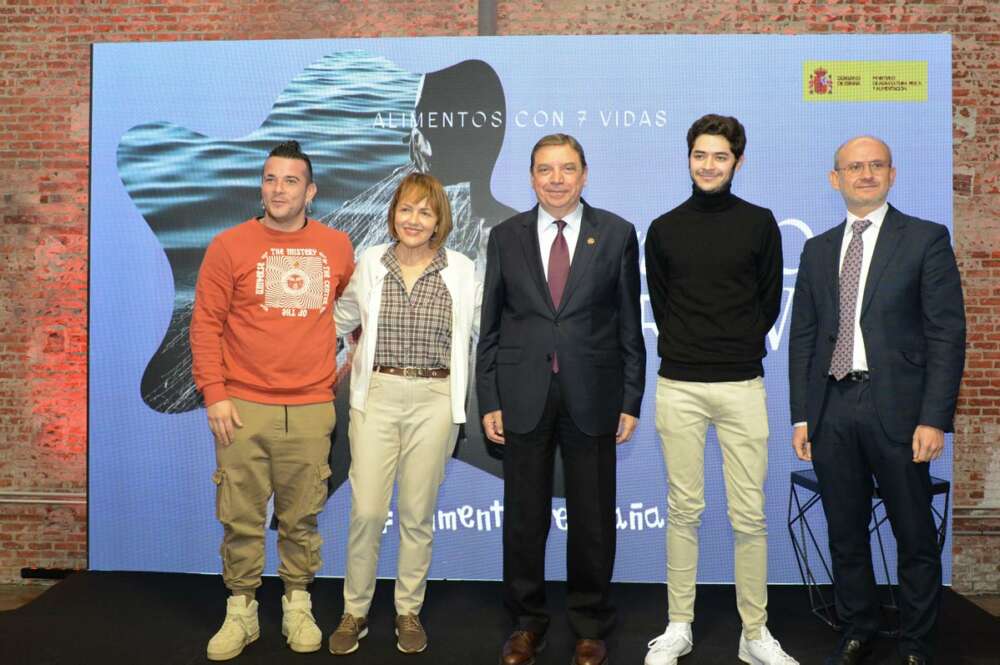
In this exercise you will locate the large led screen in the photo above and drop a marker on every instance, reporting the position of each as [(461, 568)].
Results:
[(180, 132)]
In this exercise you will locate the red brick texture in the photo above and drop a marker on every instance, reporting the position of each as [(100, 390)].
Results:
[(47, 536), (44, 102)]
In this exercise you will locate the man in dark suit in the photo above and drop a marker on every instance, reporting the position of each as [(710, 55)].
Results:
[(875, 359), (561, 364)]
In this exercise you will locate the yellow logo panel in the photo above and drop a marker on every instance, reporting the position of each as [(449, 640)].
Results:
[(864, 81)]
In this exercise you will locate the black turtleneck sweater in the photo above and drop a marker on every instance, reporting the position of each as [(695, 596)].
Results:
[(714, 270)]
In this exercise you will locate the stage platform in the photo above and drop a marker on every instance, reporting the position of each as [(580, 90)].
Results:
[(157, 618)]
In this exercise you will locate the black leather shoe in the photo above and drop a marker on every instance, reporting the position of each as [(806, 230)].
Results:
[(850, 652), (914, 659)]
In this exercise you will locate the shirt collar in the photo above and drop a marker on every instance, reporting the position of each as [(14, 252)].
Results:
[(440, 261), (391, 263), (572, 220), (876, 217)]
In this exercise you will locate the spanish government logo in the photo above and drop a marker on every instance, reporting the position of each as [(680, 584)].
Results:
[(820, 83), (864, 81)]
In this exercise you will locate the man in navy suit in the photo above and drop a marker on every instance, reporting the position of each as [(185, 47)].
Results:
[(875, 359), (561, 364)]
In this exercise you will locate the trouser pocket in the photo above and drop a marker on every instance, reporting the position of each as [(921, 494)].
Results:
[(223, 500), (299, 541), (321, 489), (223, 513), (320, 495)]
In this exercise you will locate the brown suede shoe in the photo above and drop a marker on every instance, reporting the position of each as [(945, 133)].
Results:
[(344, 639), (521, 647), (590, 652), (410, 635)]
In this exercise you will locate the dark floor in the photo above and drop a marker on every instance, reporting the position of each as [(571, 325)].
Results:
[(154, 618), (13, 596)]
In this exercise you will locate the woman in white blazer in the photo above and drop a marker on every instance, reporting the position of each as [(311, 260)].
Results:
[(417, 305)]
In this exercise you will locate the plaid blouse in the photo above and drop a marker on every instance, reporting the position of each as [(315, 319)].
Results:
[(414, 330)]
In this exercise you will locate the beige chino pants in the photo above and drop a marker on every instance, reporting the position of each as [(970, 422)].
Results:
[(406, 435), (282, 450), (738, 409)]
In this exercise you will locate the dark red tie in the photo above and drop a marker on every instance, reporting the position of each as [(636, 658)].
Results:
[(558, 273)]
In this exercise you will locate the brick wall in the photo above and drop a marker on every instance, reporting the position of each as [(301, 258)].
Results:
[(44, 79)]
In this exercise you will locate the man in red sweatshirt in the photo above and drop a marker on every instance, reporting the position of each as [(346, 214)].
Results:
[(263, 341)]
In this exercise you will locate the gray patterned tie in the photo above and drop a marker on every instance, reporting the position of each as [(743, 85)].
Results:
[(850, 274)]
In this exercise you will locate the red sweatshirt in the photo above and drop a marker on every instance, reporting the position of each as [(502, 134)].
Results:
[(262, 328)]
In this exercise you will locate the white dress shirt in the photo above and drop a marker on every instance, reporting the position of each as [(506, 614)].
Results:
[(869, 237), (548, 230)]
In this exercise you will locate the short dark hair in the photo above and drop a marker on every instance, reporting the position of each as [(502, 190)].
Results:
[(558, 139), (725, 126), (292, 150)]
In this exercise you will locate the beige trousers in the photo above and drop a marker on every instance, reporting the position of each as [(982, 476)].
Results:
[(282, 450), (406, 435), (738, 409)]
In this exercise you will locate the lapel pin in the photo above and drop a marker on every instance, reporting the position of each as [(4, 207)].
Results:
[(590, 240)]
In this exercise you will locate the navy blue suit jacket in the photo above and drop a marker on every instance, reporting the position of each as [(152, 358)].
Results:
[(912, 322), (596, 330)]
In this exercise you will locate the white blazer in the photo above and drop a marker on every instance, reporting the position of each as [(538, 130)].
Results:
[(360, 303)]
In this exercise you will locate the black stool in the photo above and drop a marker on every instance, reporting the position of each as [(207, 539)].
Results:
[(822, 604)]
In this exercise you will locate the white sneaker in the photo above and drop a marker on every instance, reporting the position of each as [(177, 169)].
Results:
[(763, 651), (676, 641), (298, 624), (238, 630)]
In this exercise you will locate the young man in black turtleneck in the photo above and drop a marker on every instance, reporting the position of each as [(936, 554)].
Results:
[(714, 269)]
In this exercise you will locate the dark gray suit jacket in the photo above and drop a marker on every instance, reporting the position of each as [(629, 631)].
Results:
[(912, 321), (596, 331)]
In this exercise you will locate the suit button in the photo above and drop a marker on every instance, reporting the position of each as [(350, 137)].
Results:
[(557, 324), (548, 357), (832, 338)]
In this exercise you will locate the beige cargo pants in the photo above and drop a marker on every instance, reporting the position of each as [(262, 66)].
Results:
[(280, 450)]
